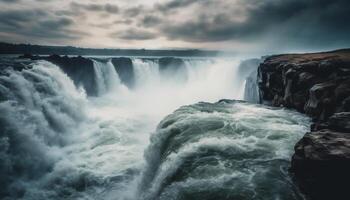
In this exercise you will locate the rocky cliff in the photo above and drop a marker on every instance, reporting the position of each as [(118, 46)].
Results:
[(318, 85), (125, 70)]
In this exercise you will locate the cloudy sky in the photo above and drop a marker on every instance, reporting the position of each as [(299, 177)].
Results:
[(208, 24)]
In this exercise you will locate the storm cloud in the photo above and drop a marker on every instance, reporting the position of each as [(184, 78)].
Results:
[(184, 23)]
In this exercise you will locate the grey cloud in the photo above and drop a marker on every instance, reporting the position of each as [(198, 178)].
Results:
[(300, 22), (37, 24), (174, 4), (10, 1), (109, 8), (133, 11), (134, 34), (57, 23), (296, 21), (123, 21), (150, 20), (16, 18)]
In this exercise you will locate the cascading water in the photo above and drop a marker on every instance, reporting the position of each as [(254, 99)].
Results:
[(58, 143), (107, 78), (226, 150), (146, 73)]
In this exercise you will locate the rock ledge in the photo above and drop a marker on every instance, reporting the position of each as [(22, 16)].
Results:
[(318, 85)]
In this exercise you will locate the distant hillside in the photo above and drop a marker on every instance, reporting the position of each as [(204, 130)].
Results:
[(6, 48)]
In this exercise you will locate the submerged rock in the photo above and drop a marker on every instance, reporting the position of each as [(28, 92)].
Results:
[(318, 85)]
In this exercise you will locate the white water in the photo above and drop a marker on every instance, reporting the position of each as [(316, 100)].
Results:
[(134, 114), (223, 150), (107, 78), (98, 145)]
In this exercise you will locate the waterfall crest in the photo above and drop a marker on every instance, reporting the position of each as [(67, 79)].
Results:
[(106, 77), (227, 150), (58, 141)]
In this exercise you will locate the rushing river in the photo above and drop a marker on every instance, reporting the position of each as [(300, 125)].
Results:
[(152, 141)]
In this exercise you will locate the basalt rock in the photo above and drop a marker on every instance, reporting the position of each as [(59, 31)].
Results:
[(321, 164), (318, 85)]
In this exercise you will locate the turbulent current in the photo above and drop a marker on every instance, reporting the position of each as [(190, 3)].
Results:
[(57, 142)]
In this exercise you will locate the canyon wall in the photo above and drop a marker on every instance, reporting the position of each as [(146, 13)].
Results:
[(318, 85)]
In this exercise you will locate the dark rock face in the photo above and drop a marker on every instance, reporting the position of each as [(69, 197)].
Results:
[(79, 69), (319, 86), (167, 63), (316, 84), (321, 163), (125, 70), (171, 67)]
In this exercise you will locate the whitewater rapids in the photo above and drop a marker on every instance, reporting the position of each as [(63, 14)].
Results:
[(58, 143)]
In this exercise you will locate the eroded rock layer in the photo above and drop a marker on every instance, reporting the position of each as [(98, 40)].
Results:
[(319, 85)]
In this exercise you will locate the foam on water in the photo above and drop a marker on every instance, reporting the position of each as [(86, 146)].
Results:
[(57, 143), (222, 150)]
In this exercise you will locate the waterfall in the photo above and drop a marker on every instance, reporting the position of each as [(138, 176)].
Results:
[(197, 80), (251, 90), (146, 72), (228, 150), (107, 78), (249, 72), (40, 109), (58, 143)]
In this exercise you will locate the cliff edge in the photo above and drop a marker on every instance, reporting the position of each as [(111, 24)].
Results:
[(317, 84)]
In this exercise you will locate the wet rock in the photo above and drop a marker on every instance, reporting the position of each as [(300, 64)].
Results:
[(320, 96), (125, 70), (170, 63), (340, 122), (342, 91), (173, 68), (318, 85), (79, 69), (321, 164), (346, 105), (29, 56)]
